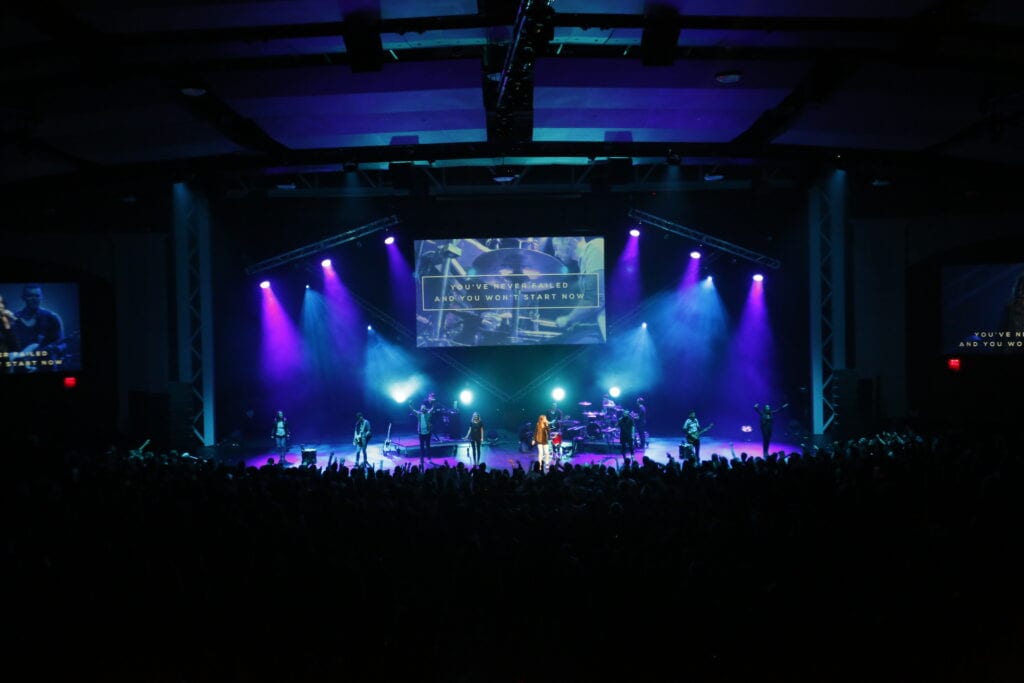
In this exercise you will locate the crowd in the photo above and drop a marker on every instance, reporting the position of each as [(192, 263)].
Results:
[(887, 558)]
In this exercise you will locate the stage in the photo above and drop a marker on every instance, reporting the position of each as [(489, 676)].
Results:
[(503, 453)]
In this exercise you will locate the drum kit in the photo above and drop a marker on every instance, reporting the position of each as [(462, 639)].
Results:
[(601, 425)]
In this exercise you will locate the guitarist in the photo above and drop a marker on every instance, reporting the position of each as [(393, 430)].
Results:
[(693, 432), (361, 437), (35, 327)]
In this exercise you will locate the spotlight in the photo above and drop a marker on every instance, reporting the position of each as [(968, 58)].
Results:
[(634, 232), (465, 397), (643, 325), (307, 286), (265, 284), (953, 364), (558, 394), (614, 392), (390, 239), (758, 277), (694, 254), (369, 328), (326, 263)]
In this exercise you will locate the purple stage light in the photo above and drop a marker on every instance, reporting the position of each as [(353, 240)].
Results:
[(390, 239), (265, 284), (694, 254), (326, 263), (634, 232), (758, 277)]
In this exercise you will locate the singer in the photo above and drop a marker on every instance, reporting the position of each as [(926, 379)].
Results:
[(8, 340)]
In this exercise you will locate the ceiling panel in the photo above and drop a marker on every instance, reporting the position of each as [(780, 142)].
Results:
[(125, 122), (331, 106), (601, 100), (755, 8), (893, 107)]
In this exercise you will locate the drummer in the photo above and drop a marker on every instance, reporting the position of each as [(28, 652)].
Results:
[(554, 416), (607, 405)]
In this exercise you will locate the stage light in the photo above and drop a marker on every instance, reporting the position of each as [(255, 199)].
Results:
[(614, 392), (70, 382), (326, 263), (399, 395), (307, 286), (694, 254), (465, 397), (265, 284), (558, 394), (369, 328), (390, 239), (953, 364), (634, 232), (708, 280), (643, 325), (758, 277)]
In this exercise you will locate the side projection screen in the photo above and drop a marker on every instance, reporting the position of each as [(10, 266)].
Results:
[(39, 328), (983, 309), (510, 291)]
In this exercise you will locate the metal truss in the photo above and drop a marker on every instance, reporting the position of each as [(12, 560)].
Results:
[(317, 247), (704, 238), (194, 297), (826, 234)]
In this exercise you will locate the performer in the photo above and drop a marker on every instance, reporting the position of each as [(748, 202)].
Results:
[(424, 427), (280, 434), (586, 323), (475, 436), (626, 433), (38, 329), (641, 422), (361, 437), (1013, 311), (541, 439), (554, 415), (693, 433), (767, 416), (8, 340)]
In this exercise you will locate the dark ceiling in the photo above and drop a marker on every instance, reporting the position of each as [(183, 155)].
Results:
[(338, 96)]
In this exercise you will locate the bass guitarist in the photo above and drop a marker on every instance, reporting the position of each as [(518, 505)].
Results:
[(693, 432)]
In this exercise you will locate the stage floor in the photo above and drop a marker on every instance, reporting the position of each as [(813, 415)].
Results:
[(497, 454)]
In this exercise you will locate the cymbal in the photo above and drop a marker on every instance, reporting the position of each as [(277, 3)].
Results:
[(592, 414), (586, 403), (503, 262)]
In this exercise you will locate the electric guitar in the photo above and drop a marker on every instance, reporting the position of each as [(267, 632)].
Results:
[(387, 439), (28, 351), (694, 438), (360, 437)]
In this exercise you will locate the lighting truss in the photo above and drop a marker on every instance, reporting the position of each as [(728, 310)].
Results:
[(318, 247), (704, 239)]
